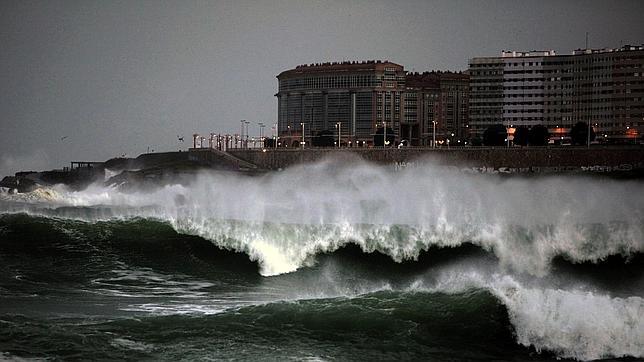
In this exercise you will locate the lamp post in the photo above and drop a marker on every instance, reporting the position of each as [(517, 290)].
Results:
[(276, 136), (241, 134), (247, 123), (433, 134), (384, 133), (588, 135), (338, 125), (302, 124), (261, 132)]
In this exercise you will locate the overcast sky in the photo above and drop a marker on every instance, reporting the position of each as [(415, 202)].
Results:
[(117, 77)]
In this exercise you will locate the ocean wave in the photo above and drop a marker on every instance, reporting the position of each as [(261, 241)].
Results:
[(159, 272), (574, 323), (284, 219)]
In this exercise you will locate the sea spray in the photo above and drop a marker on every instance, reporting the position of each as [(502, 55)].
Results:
[(283, 219)]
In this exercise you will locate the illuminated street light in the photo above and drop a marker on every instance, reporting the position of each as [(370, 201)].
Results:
[(434, 134), (384, 134), (303, 143)]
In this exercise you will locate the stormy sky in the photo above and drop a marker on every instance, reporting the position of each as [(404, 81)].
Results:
[(90, 80)]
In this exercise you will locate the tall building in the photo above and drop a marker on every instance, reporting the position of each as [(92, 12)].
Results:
[(603, 87), (360, 96), (440, 97)]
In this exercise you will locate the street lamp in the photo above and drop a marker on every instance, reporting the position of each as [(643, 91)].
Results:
[(302, 124), (384, 133), (434, 134), (276, 136), (261, 132), (338, 125), (241, 135), (247, 123)]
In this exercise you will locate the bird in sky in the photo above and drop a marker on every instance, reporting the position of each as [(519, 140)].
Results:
[(180, 138), (63, 138)]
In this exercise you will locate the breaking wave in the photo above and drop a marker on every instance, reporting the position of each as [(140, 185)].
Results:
[(445, 298), (283, 220)]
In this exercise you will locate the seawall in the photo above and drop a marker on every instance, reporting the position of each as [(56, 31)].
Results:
[(510, 160)]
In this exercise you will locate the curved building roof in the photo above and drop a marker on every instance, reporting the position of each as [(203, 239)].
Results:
[(339, 67)]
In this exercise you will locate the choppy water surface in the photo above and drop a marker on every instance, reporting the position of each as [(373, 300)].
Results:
[(323, 262)]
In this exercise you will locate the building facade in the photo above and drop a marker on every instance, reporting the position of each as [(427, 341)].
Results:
[(359, 97), (436, 101), (603, 87)]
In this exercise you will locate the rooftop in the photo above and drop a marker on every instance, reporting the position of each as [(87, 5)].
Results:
[(345, 66), (550, 53)]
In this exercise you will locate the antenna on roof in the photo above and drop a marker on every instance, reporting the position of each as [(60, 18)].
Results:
[(586, 40)]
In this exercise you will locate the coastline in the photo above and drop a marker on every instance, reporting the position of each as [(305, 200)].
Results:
[(167, 167)]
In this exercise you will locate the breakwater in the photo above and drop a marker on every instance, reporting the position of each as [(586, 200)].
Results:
[(502, 160)]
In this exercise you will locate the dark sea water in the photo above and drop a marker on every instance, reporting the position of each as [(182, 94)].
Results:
[(297, 267)]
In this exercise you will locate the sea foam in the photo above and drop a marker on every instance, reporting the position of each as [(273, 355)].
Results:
[(283, 219), (578, 323)]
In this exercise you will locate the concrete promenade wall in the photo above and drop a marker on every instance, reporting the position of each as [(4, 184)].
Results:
[(515, 159)]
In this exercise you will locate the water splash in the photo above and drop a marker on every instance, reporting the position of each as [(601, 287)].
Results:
[(283, 219)]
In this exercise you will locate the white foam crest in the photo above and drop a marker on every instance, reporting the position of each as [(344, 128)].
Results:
[(284, 218), (579, 323)]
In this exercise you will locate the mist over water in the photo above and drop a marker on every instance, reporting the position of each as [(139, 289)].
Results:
[(532, 234)]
